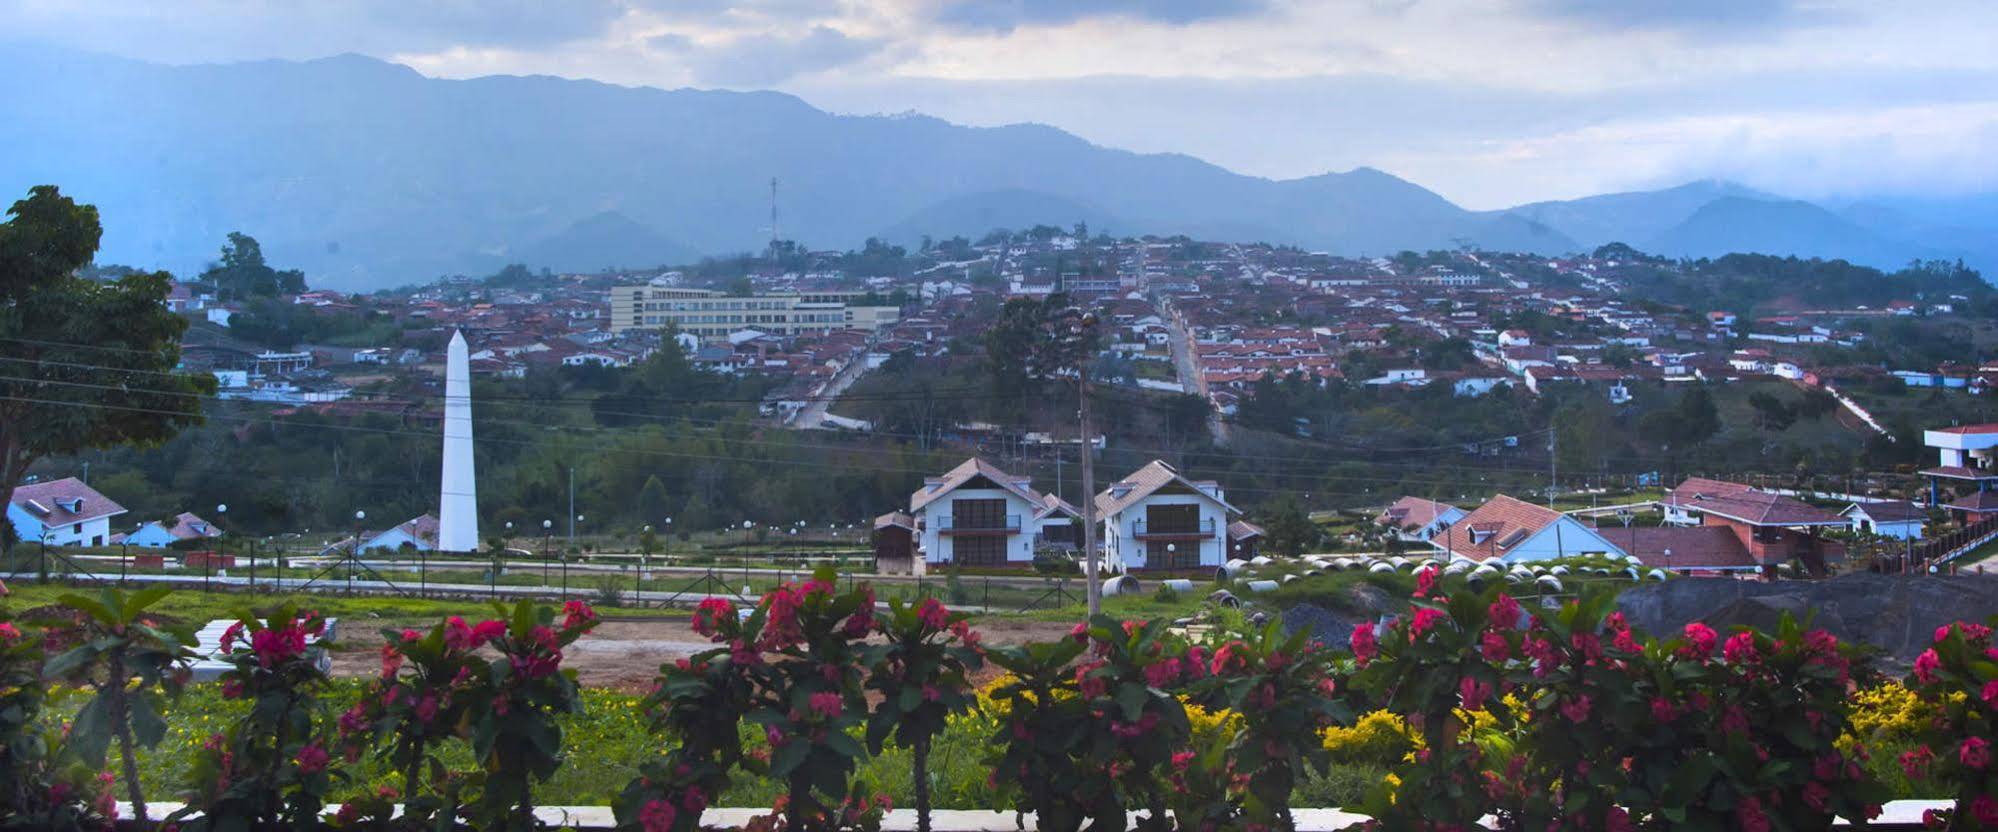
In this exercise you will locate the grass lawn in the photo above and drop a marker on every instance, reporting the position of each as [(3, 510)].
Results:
[(196, 608)]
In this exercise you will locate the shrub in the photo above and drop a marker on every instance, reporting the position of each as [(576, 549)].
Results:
[(922, 672), (1282, 689), (1377, 738), (43, 783), (1958, 676), (132, 663), (269, 769), (701, 702)]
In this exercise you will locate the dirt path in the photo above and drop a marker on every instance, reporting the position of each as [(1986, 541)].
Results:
[(626, 654)]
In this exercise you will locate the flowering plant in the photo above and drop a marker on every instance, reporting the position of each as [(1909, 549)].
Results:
[(922, 671), (511, 707), (1034, 760), (43, 785), (809, 698), (270, 768), (133, 664), (1285, 689), (700, 701), (1128, 684), (1438, 668), (1958, 675)]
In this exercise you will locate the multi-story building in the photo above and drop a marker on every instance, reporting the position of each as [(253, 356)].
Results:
[(710, 314)]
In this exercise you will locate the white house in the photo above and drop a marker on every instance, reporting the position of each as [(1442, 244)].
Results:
[(1157, 519), (1057, 524), (62, 512), (154, 534), (976, 515), (1417, 520), (1509, 530), (419, 533), (1888, 518)]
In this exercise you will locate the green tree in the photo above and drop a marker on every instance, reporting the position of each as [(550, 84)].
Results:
[(88, 364), (1289, 526), (652, 500), (128, 659), (1698, 417), (242, 273)]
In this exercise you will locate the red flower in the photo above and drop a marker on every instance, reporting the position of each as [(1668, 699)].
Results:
[(489, 631), (826, 704), (1974, 753), (311, 759), (1080, 633), (1425, 582), (1925, 666), (1915, 762), (1700, 640), (458, 634), (1504, 612), (1229, 659), (1663, 710), (1740, 648), (1576, 709), (1816, 795), (932, 614), (1426, 618), (709, 615), (1365, 646), (1473, 692), (1985, 809), (1749, 813), (657, 816), (1990, 695), (577, 615), (1494, 647)]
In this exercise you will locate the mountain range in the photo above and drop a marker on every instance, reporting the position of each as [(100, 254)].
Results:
[(368, 174)]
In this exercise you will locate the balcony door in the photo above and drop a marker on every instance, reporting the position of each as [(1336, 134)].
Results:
[(1171, 519), (966, 515)]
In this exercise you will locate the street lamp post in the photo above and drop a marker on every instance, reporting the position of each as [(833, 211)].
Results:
[(354, 551), (547, 544)]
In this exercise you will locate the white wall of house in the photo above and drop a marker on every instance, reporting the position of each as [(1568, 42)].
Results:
[(151, 535), (1562, 538), (1122, 547), (28, 528), (1444, 519), (936, 545), (1901, 530)]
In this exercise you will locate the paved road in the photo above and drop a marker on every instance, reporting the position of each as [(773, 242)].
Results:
[(814, 414), (1187, 359)]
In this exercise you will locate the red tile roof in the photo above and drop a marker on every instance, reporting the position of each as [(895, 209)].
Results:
[(1495, 527), (965, 472), (1413, 511), (63, 501), (1958, 472), (1141, 483), (1991, 427), (1740, 502), (1977, 502), (1692, 547)]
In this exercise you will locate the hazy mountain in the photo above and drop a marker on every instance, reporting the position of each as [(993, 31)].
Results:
[(1732, 224), (365, 173), (606, 240), (1631, 216)]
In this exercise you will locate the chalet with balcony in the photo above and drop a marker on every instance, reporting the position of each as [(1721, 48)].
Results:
[(1510, 530), (976, 515), (1159, 520), (62, 512)]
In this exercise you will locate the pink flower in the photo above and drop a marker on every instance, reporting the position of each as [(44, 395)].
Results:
[(1576, 709), (1474, 693), (826, 704), (1426, 618), (229, 636), (577, 615), (1816, 795), (932, 614), (1229, 659), (1365, 646), (695, 800), (1504, 612), (426, 708), (1700, 640), (1616, 820), (1925, 666), (1425, 582), (710, 614), (458, 634), (1749, 813), (1662, 709), (391, 660), (1080, 633), (657, 816), (1985, 809), (1990, 695), (311, 759), (272, 645), (1942, 633), (1494, 648), (773, 735), (1974, 753), (1162, 674), (1915, 762), (489, 631), (232, 688), (1740, 648)]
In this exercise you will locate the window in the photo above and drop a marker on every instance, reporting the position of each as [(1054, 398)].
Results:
[(1182, 519), (978, 514), (77, 529), (979, 550)]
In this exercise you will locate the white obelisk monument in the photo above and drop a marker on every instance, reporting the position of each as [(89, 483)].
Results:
[(458, 504)]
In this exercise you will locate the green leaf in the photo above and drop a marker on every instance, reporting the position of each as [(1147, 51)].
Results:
[(90, 734), (138, 601), (88, 606), (148, 728), (788, 757)]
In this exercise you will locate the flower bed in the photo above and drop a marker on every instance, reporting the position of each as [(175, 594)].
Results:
[(829, 709)]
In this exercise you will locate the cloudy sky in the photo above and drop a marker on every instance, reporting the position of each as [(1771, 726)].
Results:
[(1490, 102)]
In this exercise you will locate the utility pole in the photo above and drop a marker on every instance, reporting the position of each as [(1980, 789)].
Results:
[(1091, 557), (773, 215), (1553, 463), (572, 506)]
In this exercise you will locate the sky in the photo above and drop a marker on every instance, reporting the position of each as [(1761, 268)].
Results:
[(1491, 103)]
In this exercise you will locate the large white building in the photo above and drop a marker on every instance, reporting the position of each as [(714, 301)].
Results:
[(62, 512), (1157, 519), (976, 515), (711, 315)]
